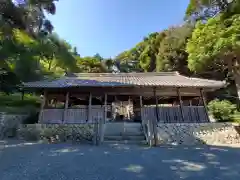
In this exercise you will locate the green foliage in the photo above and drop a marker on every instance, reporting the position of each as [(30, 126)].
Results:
[(27, 15), (159, 51), (213, 41), (172, 55), (13, 103), (222, 110), (205, 9), (31, 59), (215, 45), (90, 65), (145, 59)]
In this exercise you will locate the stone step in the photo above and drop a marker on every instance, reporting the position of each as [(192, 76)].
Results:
[(127, 129), (123, 125), (116, 143), (122, 133), (121, 138)]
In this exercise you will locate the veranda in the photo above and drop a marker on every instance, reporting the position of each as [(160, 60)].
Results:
[(128, 97), (169, 105)]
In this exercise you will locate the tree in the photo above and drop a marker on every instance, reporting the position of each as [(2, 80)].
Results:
[(27, 15), (90, 65), (140, 58), (18, 55), (58, 51), (33, 58), (109, 63), (204, 9), (216, 43), (172, 54), (146, 59), (98, 57), (75, 51)]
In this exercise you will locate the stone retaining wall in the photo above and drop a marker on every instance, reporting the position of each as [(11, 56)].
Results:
[(202, 133), (9, 123), (57, 132)]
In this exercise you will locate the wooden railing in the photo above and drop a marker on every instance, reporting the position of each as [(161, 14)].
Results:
[(52, 116), (191, 114), (72, 116), (75, 116)]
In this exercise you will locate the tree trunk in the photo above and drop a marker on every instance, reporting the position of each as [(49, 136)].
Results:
[(50, 65), (236, 75), (237, 81)]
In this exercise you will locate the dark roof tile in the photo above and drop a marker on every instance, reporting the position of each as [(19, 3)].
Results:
[(167, 79)]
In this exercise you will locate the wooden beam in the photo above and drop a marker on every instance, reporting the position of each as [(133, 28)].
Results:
[(204, 104), (180, 103), (89, 107), (141, 106), (156, 103), (138, 91), (65, 107), (128, 110), (43, 103), (141, 102), (156, 120), (105, 107)]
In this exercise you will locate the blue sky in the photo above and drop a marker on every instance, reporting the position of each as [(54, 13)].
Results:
[(109, 27)]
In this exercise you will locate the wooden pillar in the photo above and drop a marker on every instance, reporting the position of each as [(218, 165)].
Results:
[(156, 103), (43, 103), (89, 107), (102, 121), (128, 109), (180, 103), (141, 106), (204, 104), (105, 107), (156, 120), (141, 102), (65, 108)]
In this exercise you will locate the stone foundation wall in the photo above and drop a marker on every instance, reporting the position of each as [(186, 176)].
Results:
[(9, 123), (202, 133), (57, 132)]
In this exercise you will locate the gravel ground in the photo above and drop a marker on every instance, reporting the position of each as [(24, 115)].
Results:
[(117, 162)]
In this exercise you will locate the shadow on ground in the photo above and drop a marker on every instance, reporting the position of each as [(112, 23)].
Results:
[(117, 161)]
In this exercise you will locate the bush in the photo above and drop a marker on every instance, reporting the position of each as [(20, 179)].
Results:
[(222, 111)]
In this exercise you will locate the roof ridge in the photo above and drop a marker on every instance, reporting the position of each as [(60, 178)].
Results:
[(124, 74)]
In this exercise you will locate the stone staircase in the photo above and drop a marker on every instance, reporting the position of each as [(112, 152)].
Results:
[(124, 132)]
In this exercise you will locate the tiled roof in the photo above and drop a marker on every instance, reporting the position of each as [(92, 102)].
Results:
[(164, 79)]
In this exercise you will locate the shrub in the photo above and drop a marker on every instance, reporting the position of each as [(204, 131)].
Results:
[(222, 111)]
